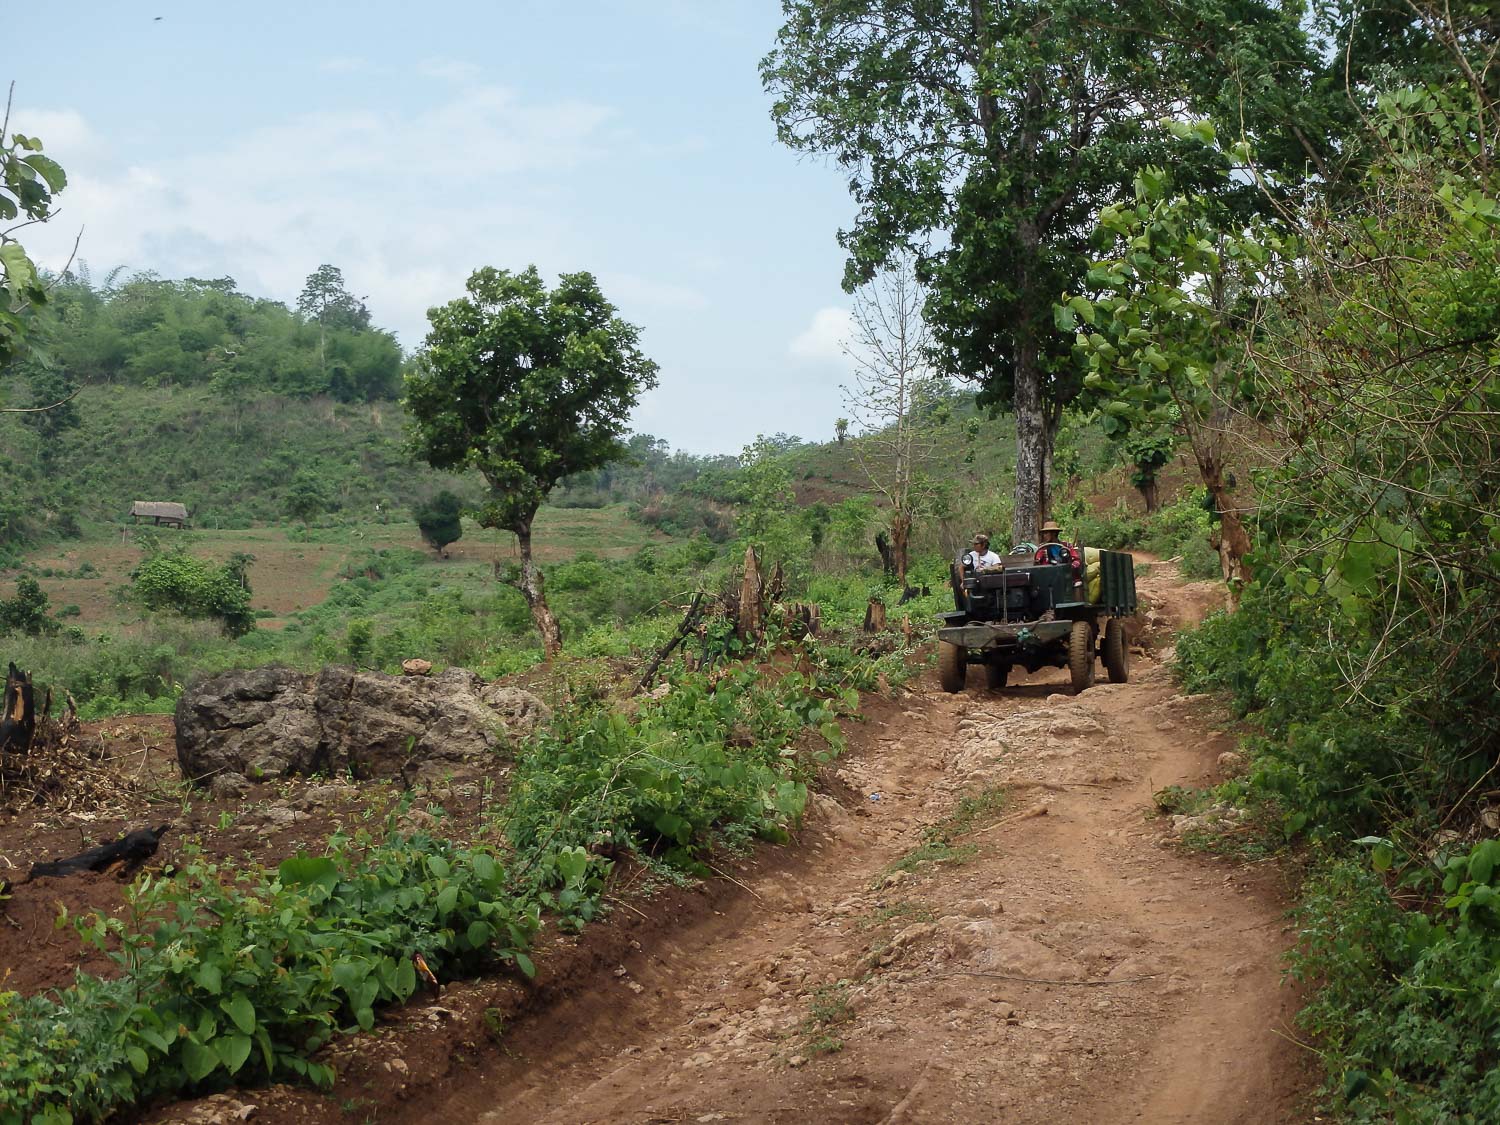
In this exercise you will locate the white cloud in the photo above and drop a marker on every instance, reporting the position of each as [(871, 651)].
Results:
[(825, 339), (344, 64), (405, 201), (63, 132), (449, 70), (629, 291)]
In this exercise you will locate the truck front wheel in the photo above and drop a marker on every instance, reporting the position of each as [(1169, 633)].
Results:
[(953, 666)]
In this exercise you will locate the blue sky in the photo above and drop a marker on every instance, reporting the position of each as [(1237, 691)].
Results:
[(411, 144)]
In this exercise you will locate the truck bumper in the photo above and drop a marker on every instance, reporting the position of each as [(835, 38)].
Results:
[(1016, 635)]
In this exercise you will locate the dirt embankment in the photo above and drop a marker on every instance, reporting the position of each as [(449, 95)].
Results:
[(979, 923)]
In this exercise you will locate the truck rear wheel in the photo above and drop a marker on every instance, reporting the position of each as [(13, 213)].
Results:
[(953, 666), (1116, 656), (1081, 655), (995, 675)]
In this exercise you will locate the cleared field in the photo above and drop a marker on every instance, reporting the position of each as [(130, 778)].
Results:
[(294, 569)]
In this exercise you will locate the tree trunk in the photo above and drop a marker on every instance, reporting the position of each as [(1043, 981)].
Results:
[(532, 589), (1233, 540), (1031, 446), (875, 616), (1033, 433), (887, 555), (18, 721), (900, 543), (750, 625), (1151, 493)]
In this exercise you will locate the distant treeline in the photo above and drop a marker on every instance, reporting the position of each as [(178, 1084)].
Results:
[(148, 331)]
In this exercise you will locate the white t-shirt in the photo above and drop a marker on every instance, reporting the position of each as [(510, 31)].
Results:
[(982, 561)]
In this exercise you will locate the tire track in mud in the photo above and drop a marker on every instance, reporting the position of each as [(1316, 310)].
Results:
[(1058, 958)]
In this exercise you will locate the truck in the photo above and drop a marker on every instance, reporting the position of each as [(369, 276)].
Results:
[(1039, 615)]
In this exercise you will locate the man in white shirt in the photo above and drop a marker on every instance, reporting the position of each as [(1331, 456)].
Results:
[(981, 557)]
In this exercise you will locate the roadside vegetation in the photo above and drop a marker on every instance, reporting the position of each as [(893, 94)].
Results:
[(1249, 324)]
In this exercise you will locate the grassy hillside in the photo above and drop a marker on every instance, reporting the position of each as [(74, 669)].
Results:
[(230, 465)]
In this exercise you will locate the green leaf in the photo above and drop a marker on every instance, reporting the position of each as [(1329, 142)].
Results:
[(139, 1060), (406, 979), (438, 866), (1355, 1082), (198, 1060), (349, 974), (241, 1011), (232, 1050), (447, 900), (479, 933), (210, 978), (49, 170), (1482, 864), (524, 963), (306, 870)]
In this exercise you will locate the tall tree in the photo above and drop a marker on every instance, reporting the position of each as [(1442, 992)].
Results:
[(986, 134), (525, 386), (891, 396), (327, 300)]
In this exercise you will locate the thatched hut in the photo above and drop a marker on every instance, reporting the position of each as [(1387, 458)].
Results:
[(160, 513)]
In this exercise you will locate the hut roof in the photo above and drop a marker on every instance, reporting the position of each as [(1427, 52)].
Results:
[(159, 509)]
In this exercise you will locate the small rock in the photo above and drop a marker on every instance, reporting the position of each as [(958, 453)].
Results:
[(418, 818), (280, 816), (228, 786), (797, 1060), (1231, 763), (416, 667)]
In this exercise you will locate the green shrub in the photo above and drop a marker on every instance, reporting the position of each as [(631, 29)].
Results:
[(27, 611), (1115, 530), (440, 520), (176, 580), (708, 758), (1405, 1004)]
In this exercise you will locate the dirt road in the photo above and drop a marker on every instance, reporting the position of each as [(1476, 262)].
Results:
[(985, 926)]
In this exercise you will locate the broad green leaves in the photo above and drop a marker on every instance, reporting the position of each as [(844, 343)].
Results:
[(244, 976), (28, 183)]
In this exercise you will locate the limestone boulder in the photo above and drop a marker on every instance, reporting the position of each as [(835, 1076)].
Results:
[(265, 723)]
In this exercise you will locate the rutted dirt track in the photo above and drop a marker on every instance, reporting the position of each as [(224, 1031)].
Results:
[(1065, 963)]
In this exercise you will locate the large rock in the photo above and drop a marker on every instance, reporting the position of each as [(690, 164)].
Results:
[(263, 723)]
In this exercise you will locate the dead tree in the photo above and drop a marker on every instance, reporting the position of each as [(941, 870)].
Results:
[(18, 727), (750, 622), (875, 616), (803, 619), (123, 857), (684, 630)]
